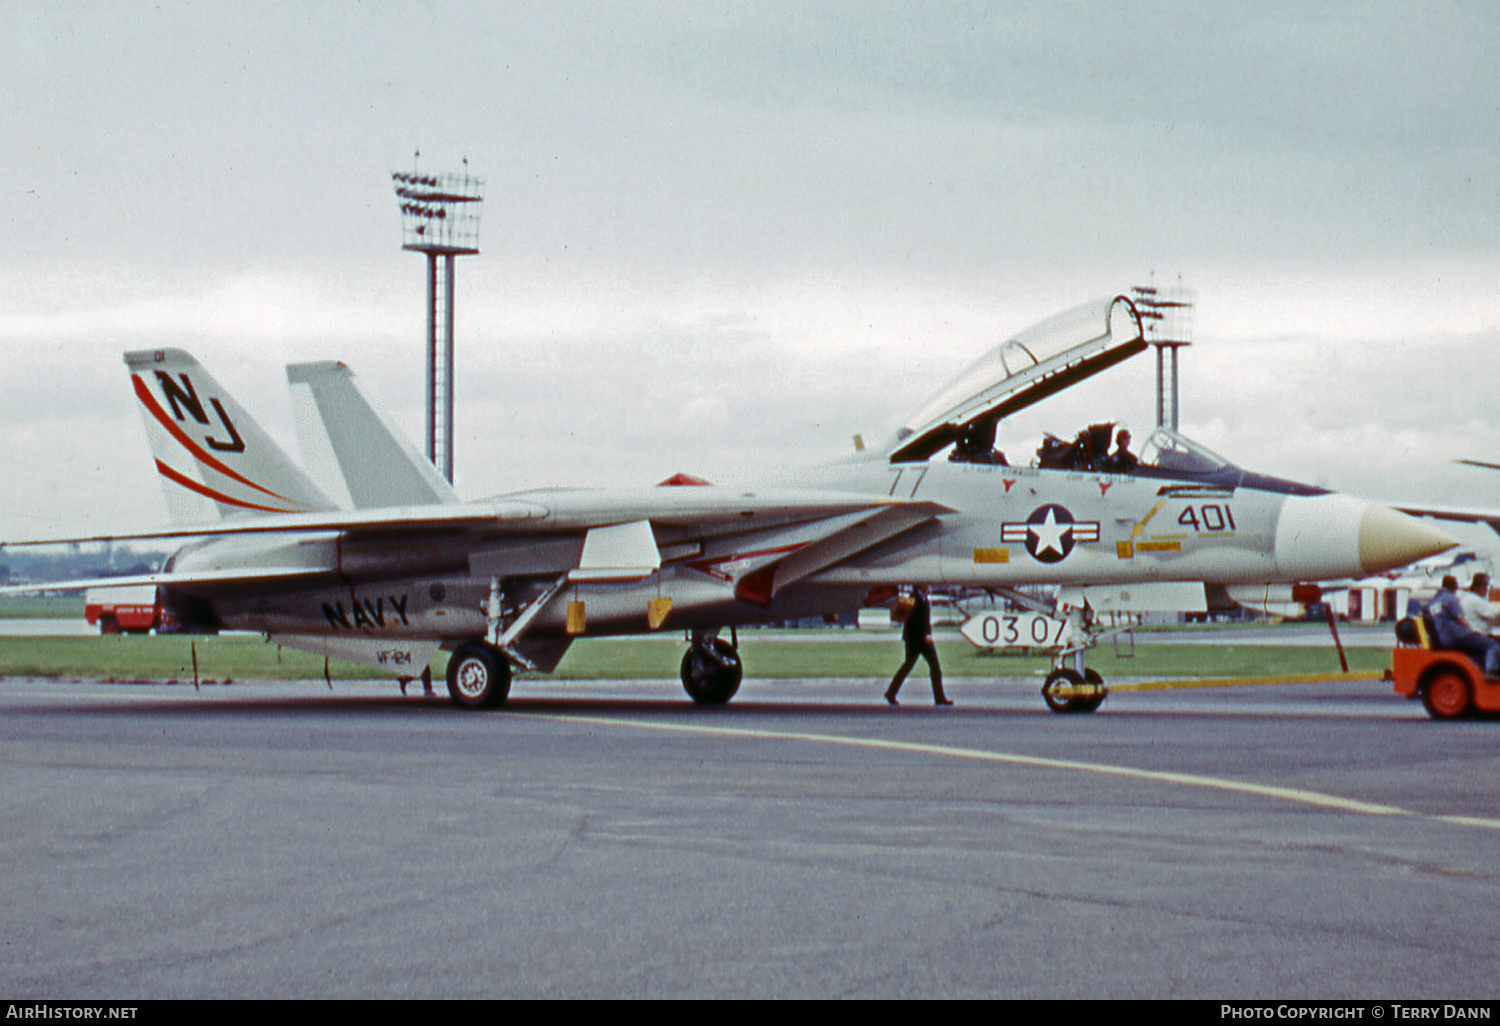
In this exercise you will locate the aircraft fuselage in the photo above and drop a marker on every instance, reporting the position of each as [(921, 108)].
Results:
[(1008, 527)]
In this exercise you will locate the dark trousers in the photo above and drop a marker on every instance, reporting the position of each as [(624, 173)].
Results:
[(1483, 649), (927, 651)]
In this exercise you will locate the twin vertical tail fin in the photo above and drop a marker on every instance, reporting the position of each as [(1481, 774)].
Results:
[(214, 460), (353, 449)]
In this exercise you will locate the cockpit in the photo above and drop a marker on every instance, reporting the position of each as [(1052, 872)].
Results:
[(1025, 369), (1099, 448), (961, 417)]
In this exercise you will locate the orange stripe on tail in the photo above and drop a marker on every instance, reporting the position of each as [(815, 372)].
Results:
[(176, 432)]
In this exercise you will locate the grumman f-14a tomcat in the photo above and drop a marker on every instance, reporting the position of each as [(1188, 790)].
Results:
[(378, 561)]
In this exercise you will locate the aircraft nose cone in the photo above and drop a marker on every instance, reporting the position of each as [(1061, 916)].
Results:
[(1388, 539), (1320, 537)]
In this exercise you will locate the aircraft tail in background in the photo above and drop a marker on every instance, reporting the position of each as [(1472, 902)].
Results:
[(352, 448), (213, 459)]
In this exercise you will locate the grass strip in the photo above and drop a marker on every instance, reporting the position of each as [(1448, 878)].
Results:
[(765, 656), (41, 607)]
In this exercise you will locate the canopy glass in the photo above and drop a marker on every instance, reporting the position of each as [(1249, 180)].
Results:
[(1024, 369)]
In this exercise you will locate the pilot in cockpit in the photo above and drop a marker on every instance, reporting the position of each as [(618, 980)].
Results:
[(977, 445), (1089, 451), (1122, 460)]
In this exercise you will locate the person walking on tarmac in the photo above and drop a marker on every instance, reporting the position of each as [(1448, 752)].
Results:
[(917, 634)]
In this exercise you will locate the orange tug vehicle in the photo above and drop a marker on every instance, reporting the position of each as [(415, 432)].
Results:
[(1450, 684)]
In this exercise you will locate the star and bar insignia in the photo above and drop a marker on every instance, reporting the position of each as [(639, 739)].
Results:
[(1050, 533)]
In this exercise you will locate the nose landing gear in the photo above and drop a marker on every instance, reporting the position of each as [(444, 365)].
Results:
[(1067, 691), (1077, 689)]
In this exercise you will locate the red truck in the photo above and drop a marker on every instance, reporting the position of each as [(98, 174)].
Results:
[(132, 610)]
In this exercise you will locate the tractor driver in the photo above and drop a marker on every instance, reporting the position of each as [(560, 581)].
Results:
[(1454, 632), (1482, 614)]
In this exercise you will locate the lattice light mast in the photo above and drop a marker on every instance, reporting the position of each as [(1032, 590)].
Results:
[(439, 217), (1167, 316)]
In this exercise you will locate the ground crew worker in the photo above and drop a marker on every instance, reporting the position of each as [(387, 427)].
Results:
[(917, 634), (1454, 632), (1482, 614)]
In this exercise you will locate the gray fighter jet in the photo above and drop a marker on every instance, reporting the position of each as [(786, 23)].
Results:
[(368, 555)]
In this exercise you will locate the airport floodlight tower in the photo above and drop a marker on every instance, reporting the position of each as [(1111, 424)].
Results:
[(1167, 316), (439, 217)]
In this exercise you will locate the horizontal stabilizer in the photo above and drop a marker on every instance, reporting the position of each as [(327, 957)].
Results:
[(691, 511), (466, 515), (168, 579)]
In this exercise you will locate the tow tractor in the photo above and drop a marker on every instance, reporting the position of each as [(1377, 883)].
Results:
[(1450, 685)]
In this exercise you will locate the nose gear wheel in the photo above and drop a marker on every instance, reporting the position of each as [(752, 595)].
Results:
[(1066, 691)]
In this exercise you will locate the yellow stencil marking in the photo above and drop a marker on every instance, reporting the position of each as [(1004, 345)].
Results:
[(1140, 528)]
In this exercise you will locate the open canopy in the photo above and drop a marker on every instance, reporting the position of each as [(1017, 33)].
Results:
[(1025, 369)]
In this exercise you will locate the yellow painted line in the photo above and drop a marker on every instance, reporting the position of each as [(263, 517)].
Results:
[(1184, 683), (1473, 821), (1302, 796), (1290, 794)]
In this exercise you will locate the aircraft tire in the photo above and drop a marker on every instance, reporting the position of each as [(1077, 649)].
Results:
[(1055, 682), (1088, 705), (1446, 695), (1056, 688), (708, 682), (478, 676)]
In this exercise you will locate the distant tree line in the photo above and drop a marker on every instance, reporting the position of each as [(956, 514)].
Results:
[(41, 563)]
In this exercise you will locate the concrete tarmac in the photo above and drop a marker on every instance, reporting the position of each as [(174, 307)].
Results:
[(612, 840)]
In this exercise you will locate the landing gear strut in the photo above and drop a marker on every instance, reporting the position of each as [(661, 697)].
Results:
[(1075, 689), (711, 669), (479, 672)]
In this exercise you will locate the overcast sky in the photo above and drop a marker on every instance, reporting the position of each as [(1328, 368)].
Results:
[(719, 237)]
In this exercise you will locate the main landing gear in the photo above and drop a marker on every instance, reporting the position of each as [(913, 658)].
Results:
[(711, 668), (1074, 689), (478, 676), (479, 671)]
